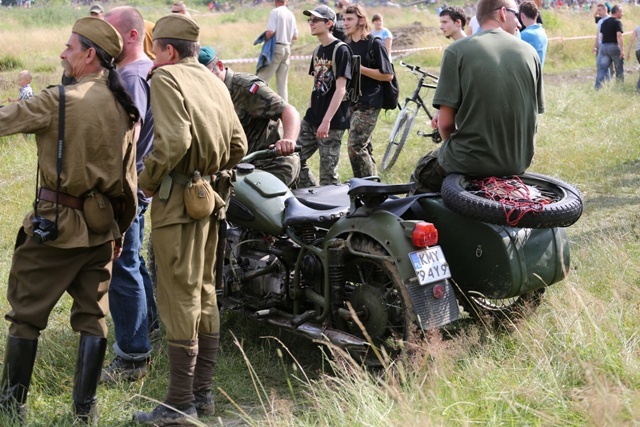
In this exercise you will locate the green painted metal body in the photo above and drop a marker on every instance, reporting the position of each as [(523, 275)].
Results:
[(385, 228), (498, 261), (264, 195)]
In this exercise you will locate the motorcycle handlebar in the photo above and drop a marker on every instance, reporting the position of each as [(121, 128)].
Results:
[(269, 153)]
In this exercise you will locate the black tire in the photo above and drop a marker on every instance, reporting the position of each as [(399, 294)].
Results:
[(399, 134), (503, 311), (374, 288), (564, 209)]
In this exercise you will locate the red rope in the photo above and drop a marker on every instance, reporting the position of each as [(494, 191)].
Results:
[(516, 197)]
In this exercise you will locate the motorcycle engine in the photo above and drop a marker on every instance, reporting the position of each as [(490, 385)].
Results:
[(256, 265)]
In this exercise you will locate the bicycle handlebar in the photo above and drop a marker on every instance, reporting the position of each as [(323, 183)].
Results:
[(416, 70)]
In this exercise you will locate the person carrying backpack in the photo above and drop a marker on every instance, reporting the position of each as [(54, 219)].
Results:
[(327, 117), (375, 68)]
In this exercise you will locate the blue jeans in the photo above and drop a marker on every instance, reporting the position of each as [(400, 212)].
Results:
[(131, 300), (609, 53)]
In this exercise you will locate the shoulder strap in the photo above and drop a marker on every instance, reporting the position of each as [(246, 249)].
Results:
[(333, 57), (370, 57)]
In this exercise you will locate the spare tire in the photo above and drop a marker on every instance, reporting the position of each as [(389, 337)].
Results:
[(564, 209)]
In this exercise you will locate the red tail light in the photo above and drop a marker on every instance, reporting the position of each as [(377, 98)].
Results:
[(424, 234)]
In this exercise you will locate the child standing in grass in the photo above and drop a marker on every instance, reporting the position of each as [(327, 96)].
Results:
[(24, 81)]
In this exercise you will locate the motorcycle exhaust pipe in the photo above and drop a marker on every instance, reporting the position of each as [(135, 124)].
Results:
[(317, 332)]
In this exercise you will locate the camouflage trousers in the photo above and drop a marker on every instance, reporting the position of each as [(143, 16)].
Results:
[(360, 143), (329, 148), (428, 174)]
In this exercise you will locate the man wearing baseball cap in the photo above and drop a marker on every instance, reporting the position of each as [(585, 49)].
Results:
[(197, 133), (60, 247), (97, 11), (327, 117)]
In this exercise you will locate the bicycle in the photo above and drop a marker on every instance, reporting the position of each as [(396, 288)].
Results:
[(407, 115)]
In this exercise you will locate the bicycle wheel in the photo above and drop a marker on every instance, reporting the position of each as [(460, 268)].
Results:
[(399, 134)]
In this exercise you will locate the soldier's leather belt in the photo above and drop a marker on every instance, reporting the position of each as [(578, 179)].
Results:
[(62, 198)]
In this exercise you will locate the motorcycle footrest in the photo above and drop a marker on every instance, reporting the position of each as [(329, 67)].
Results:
[(303, 318)]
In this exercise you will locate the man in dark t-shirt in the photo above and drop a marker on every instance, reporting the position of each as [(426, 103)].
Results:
[(327, 118), (611, 48)]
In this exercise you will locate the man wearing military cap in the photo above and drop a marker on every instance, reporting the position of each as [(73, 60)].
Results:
[(85, 201), (196, 130), (267, 119)]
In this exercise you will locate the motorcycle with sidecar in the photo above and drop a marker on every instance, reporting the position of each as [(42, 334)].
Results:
[(365, 265)]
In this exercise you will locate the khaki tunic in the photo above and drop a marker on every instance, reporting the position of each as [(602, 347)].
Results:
[(99, 154), (196, 128)]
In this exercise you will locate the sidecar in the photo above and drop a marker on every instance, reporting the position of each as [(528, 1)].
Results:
[(494, 260)]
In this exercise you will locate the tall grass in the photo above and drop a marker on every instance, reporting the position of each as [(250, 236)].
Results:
[(572, 363)]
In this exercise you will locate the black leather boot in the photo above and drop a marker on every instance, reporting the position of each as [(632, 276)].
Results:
[(19, 357), (85, 383)]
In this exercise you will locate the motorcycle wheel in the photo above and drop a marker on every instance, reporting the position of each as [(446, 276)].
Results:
[(564, 209), (507, 309), (381, 301)]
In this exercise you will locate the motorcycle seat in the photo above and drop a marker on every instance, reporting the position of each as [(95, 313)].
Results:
[(324, 197), (359, 186), (296, 213)]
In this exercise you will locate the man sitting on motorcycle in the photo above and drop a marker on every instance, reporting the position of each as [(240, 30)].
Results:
[(489, 95), (267, 119)]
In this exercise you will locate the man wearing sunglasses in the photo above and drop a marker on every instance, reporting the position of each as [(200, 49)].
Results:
[(327, 117), (489, 96)]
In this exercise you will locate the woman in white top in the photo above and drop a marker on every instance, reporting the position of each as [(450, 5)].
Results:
[(382, 32)]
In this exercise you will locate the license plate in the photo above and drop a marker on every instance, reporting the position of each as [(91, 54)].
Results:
[(430, 265)]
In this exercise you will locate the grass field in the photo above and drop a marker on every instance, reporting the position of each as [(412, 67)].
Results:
[(575, 362)]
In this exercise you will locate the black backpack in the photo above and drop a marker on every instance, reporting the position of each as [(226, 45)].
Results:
[(390, 90), (353, 86)]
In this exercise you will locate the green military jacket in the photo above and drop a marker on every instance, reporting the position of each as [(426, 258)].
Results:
[(258, 107), (98, 154), (196, 128)]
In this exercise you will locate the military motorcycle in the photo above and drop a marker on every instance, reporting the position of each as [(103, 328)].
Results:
[(364, 265)]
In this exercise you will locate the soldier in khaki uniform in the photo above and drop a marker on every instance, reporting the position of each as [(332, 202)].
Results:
[(98, 160), (196, 129), (267, 119)]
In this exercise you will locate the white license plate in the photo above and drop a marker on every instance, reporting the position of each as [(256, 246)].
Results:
[(430, 265)]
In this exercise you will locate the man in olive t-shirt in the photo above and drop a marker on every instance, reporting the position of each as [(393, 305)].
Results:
[(489, 95)]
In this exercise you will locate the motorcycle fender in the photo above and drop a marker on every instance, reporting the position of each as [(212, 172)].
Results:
[(390, 231)]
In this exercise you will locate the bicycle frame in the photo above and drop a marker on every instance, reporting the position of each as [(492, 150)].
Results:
[(418, 99), (421, 84), (407, 115)]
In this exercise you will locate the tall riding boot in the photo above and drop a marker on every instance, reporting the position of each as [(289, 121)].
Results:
[(203, 375), (19, 357), (85, 383), (178, 409)]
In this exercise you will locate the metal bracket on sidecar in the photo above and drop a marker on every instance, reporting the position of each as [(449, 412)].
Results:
[(371, 194)]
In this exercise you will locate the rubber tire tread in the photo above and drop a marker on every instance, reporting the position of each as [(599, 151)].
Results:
[(562, 213), (405, 123)]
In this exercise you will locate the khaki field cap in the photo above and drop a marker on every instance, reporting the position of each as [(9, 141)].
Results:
[(322, 11), (176, 26), (101, 33)]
